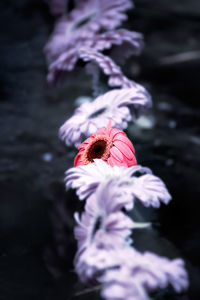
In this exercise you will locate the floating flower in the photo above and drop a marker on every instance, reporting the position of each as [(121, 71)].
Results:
[(138, 274), (82, 23), (94, 15), (118, 37), (147, 188), (80, 30), (113, 105), (150, 190), (86, 179), (109, 67), (102, 229), (126, 273), (92, 262), (109, 144), (102, 217), (63, 54)]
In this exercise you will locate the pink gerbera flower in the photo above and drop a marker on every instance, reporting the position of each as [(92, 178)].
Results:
[(109, 144)]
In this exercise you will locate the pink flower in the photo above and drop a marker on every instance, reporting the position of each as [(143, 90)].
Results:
[(109, 144)]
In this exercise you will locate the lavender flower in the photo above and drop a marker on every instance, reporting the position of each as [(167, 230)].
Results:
[(127, 274), (84, 22), (80, 30), (95, 14), (113, 105), (109, 67), (102, 228), (63, 53), (91, 263), (118, 37), (85, 179), (149, 189), (102, 216), (139, 273)]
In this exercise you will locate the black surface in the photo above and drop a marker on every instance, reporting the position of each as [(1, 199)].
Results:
[(36, 214)]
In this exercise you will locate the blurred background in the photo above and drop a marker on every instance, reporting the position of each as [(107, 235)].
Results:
[(36, 213)]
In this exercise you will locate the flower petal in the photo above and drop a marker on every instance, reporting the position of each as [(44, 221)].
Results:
[(77, 160), (123, 138), (125, 149), (117, 154)]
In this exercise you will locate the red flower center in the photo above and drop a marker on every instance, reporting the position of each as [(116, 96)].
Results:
[(99, 148), (96, 150)]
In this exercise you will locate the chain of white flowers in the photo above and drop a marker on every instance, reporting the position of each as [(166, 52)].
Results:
[(99, 259)]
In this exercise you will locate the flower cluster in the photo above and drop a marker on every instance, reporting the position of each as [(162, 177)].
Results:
[(78, 36), (107, 177), (135, 273), (80, 31), (103, 232), (105, 173), (118, 105)]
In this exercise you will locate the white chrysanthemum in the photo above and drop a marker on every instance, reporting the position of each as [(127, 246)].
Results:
[(113, 105)]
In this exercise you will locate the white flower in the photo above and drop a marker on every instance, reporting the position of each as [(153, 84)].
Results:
[(85, 179), (150, 190), (147, 188), (103, 216), (113, 105), (139, 273)]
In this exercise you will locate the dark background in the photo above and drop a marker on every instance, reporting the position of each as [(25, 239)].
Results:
[(36, 214)]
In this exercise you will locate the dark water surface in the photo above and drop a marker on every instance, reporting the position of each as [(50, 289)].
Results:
[(36, 214)]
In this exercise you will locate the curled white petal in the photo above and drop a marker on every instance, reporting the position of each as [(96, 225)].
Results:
[(114, 105)]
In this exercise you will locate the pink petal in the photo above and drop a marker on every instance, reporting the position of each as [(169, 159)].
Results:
[(133, 161), (123, 138), (124, 148), (108, 128), (115, 162), (77, 160), (100, 131), (111, 161), (85, 143), (117, 154), (114, 131)]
